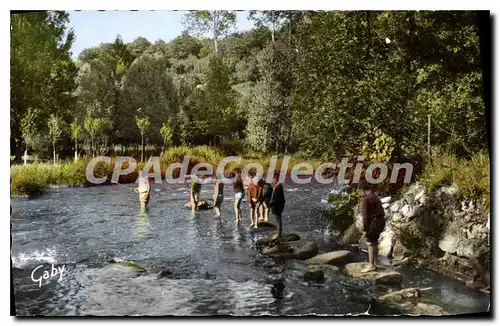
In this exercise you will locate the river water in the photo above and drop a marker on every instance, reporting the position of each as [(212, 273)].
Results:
[(213, 266)]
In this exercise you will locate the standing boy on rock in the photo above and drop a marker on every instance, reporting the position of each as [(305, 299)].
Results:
[(373, 223)]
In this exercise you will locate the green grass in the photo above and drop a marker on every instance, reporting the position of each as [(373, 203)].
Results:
[(470, 176), (33, 178)]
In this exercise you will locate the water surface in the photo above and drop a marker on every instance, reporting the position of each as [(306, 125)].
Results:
[(212, 263)]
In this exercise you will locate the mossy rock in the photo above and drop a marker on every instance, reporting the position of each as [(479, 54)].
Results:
[(128, 266)]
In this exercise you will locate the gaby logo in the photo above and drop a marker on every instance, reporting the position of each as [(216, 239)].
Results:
[(38, 276)]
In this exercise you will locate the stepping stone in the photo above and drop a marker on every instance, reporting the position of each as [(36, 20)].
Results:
[(339, 257), (383, 275), (300, 249), (263, 226)]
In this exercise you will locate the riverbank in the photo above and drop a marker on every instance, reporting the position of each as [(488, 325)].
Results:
[(440, 222)]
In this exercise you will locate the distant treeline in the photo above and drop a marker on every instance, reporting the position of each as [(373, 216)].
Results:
[(318, 84)]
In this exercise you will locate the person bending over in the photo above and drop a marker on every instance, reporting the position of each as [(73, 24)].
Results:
[(373, 223), (195, 193)]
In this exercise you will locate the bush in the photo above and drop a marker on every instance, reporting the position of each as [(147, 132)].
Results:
[(26, 180), (470, 176), (342, 213), (33, 178)]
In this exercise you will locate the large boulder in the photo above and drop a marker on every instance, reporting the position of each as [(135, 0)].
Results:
[(383, 275), (339, 257), (300, 249)]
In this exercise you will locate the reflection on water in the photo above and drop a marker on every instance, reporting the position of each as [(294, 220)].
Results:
[(197, 264)]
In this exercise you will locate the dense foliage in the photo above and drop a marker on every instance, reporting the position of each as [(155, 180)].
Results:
[(318, 84)]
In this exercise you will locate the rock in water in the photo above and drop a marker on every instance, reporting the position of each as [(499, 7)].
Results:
[(269, 241), (401, 295), (424, 309), (300, 249), (329, 271), (339, 257), (383, 275), (314, 276), (263, 226), (128, 266)]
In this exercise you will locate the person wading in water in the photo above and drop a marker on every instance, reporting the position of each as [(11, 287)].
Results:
[(277, 203), (144, 190), (252, 199), (218, 195), (195, 192), (373, 223), (239, 192)]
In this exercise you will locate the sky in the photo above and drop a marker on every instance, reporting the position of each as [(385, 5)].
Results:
[(95, 27)]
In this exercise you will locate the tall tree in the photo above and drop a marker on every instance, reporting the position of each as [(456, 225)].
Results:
[(147, 84), (76, 134), (41, 69), (143, 125), (166, 132), (55, 124), (216, 22), (138, 46)]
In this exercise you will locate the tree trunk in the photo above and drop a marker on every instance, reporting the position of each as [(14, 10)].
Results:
[(54, 151), (93, 149), (273, 27), (142, 148), (215, 29), (76, 150)]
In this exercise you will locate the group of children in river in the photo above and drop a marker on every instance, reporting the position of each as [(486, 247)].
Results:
[(263, 197)]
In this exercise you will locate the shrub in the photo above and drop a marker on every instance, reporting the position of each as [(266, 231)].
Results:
[(26, 180), (342, 213), (470, 176)]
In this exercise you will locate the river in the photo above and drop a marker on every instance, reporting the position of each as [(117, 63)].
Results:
[(214, 267)]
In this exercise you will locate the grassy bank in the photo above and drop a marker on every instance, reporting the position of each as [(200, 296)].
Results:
[(470, 176), (33, 178)]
